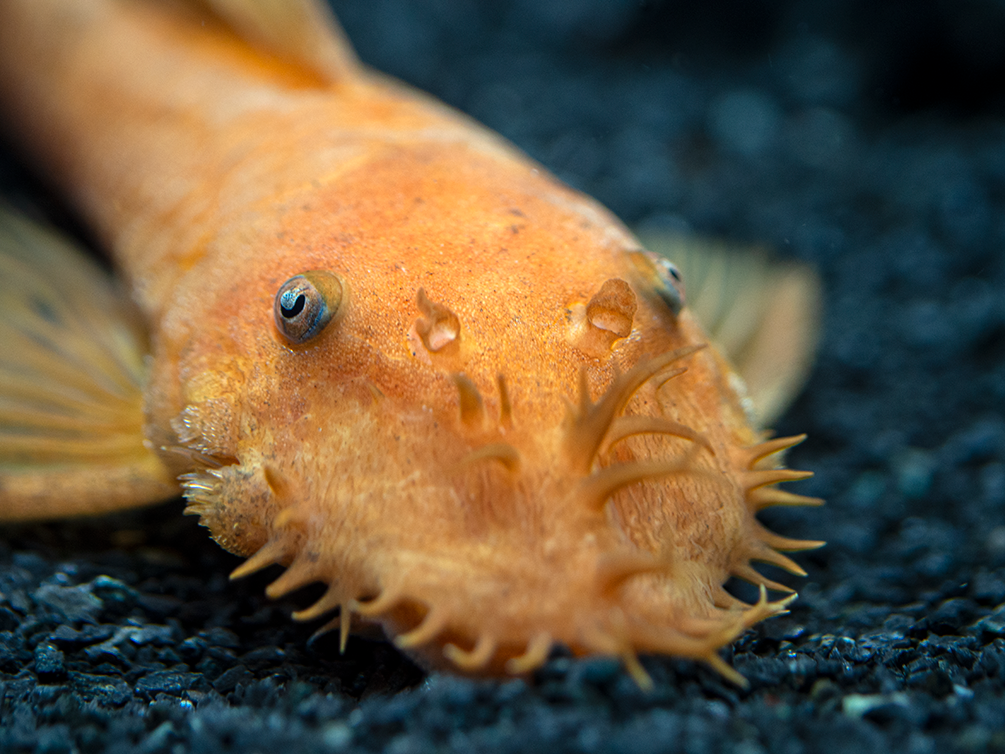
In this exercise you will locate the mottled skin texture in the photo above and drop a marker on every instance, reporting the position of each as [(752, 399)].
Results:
[(215, 174)]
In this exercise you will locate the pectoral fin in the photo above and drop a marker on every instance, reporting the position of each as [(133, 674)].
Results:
[(71, 384), (763, 314)]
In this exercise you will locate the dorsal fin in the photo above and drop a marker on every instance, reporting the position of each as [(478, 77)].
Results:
[(763, 314), (301, 31)]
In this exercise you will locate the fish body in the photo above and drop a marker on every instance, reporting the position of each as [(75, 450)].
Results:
[(496, 429)]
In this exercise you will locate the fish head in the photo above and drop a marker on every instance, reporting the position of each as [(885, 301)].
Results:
[(463, 397)]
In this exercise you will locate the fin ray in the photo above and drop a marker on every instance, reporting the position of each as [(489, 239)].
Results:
[(71, 384), (764, 314)]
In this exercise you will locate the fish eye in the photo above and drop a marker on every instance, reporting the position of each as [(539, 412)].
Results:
[(662, 277), (306, 303), (671, 283)]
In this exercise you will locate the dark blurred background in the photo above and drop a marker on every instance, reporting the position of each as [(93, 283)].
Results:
[(886, 59)]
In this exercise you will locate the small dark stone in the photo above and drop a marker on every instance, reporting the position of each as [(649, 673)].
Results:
[(220, 637), (9, 620), (168, 656), (935, 681), (992, 626), (988, 588), (44, 693), (159, 606), (898, 623), (960, 650), (162, 738), (824, 690), (171, 682), (215, 661), (107, 690), (268, 655), (979, 442), (229, 679), (991, 661), (160, 636), (885, 714), (33, 563), (49, 663), (13, 653), (192, 648), (118, 597), (54, 740), (596, 670), (951, 616), (73, 604), (106, 652), (878, 641), (69, 638), (898, 658)]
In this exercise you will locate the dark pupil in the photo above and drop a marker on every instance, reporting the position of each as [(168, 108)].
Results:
[(291, 310)]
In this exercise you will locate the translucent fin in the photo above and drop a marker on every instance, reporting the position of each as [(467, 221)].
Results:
[(71, 385), (764, 314), (302, 31)]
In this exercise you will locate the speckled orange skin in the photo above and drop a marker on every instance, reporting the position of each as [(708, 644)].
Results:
[(215, 174)]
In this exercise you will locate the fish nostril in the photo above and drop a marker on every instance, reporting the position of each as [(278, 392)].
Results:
[(438, 327), (613, 308), (607, 317)]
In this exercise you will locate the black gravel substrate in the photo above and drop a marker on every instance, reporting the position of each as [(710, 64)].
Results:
[(866, 138)]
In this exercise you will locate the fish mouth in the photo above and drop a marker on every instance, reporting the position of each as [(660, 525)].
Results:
[(579, 581)]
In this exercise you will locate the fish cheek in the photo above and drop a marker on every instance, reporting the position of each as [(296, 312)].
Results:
[(236, 503), (232, 449), (210, 421)]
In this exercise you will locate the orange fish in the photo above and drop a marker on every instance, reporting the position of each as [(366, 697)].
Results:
[(369, 340)]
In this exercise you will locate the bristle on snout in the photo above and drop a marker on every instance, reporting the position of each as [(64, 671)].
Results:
[(589, 423), (430, 611)]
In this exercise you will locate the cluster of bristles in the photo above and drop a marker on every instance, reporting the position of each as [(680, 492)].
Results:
[(591, 429)]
